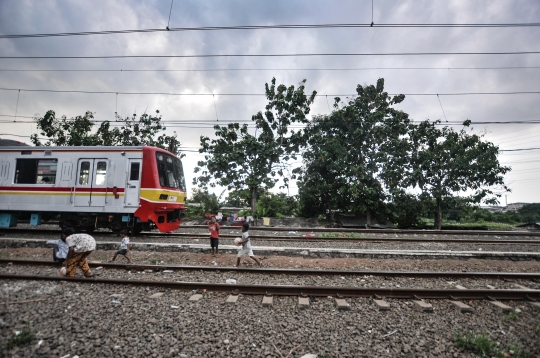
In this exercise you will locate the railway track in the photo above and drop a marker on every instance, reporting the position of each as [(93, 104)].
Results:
[(293, 290), (415, 274), (277, 290), (199, 236)]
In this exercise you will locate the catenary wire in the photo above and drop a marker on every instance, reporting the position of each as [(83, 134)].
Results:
[(273, 69), (269, 27), (261, 94), (277, 55)]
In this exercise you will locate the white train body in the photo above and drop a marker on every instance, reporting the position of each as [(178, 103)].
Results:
[(91, 187)]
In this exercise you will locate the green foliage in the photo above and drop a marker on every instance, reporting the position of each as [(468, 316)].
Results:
[(241, 161), (328, 235), (238, 199), (276, 205), (78, 131), (323, 355), (444, 162), (530, 213), (481, 344), (209, 203), (355, 154), (406, 210), (155, 261), (537, 329), (512, 316), (516, 352), (25, 336), (477, 343)]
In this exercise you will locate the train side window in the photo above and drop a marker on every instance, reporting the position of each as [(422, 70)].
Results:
[(84, 174), (101, 173), (36, 171), (134, 171)]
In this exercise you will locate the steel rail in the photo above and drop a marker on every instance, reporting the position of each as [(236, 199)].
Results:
[(308, 239), (347, 230), (280, 290), (348, 239), (377, 231), (275, 271)]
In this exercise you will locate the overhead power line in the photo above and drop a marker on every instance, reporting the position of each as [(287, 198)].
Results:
[(276, 55), (278, 69), (267, 27), (262, 94), (212, 122)]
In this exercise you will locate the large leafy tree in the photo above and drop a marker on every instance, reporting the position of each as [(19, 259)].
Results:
[(444, 162), (324, 187), (355, 152), (79, 131), (239, 160)]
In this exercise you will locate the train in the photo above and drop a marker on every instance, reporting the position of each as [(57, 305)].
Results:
[(87, 188)]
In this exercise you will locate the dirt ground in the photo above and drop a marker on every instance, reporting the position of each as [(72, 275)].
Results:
[(226, 259)]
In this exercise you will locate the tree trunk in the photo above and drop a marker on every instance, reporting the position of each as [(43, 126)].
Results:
[(438, 215), (253, 201), (368, 219)]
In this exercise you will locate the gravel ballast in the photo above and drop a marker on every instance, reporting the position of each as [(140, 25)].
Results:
[(119, 321)]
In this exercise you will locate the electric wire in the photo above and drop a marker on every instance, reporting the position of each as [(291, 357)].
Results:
[(274, 69), (276, 55), (262, 94), (270, 27)]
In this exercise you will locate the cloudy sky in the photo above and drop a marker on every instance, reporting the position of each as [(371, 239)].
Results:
[(210, 90)]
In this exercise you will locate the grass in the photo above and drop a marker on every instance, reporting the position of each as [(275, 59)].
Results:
[(323, 355), (355, 235), (537, 329), (25, 336), (483, 346), (516, 352), (155, 261), (512, 316), (478, 343), (328, 234), (480, 225)]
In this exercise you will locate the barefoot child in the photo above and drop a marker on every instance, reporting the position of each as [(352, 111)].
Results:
[(125, 246), (213, 226), (246, 247)]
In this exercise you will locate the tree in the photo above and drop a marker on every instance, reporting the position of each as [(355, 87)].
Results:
[(78, 132), (238, 160), (209, 202), (355, 153), (323, 187), (530, 212), (444, 162)]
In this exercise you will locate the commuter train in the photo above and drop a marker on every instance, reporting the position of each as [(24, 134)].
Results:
[(135, 188)]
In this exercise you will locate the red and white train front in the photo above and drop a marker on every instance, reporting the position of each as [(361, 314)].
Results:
[(92, 187)]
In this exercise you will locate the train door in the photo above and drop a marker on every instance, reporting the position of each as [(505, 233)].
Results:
[(133, 183), (91, 184)]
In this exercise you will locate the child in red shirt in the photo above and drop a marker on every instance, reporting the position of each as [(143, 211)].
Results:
[(213, 226)]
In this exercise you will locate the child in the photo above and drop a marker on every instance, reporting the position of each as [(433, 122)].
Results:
[(60, 249), (246, 247), (125, 246), (213, 226)]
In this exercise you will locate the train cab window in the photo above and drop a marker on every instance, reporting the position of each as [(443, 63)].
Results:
[(84, 174), (36, 171), (170, 171), (134, 171), (101, 173)]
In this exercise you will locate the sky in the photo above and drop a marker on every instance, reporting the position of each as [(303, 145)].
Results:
[(204, 91)]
